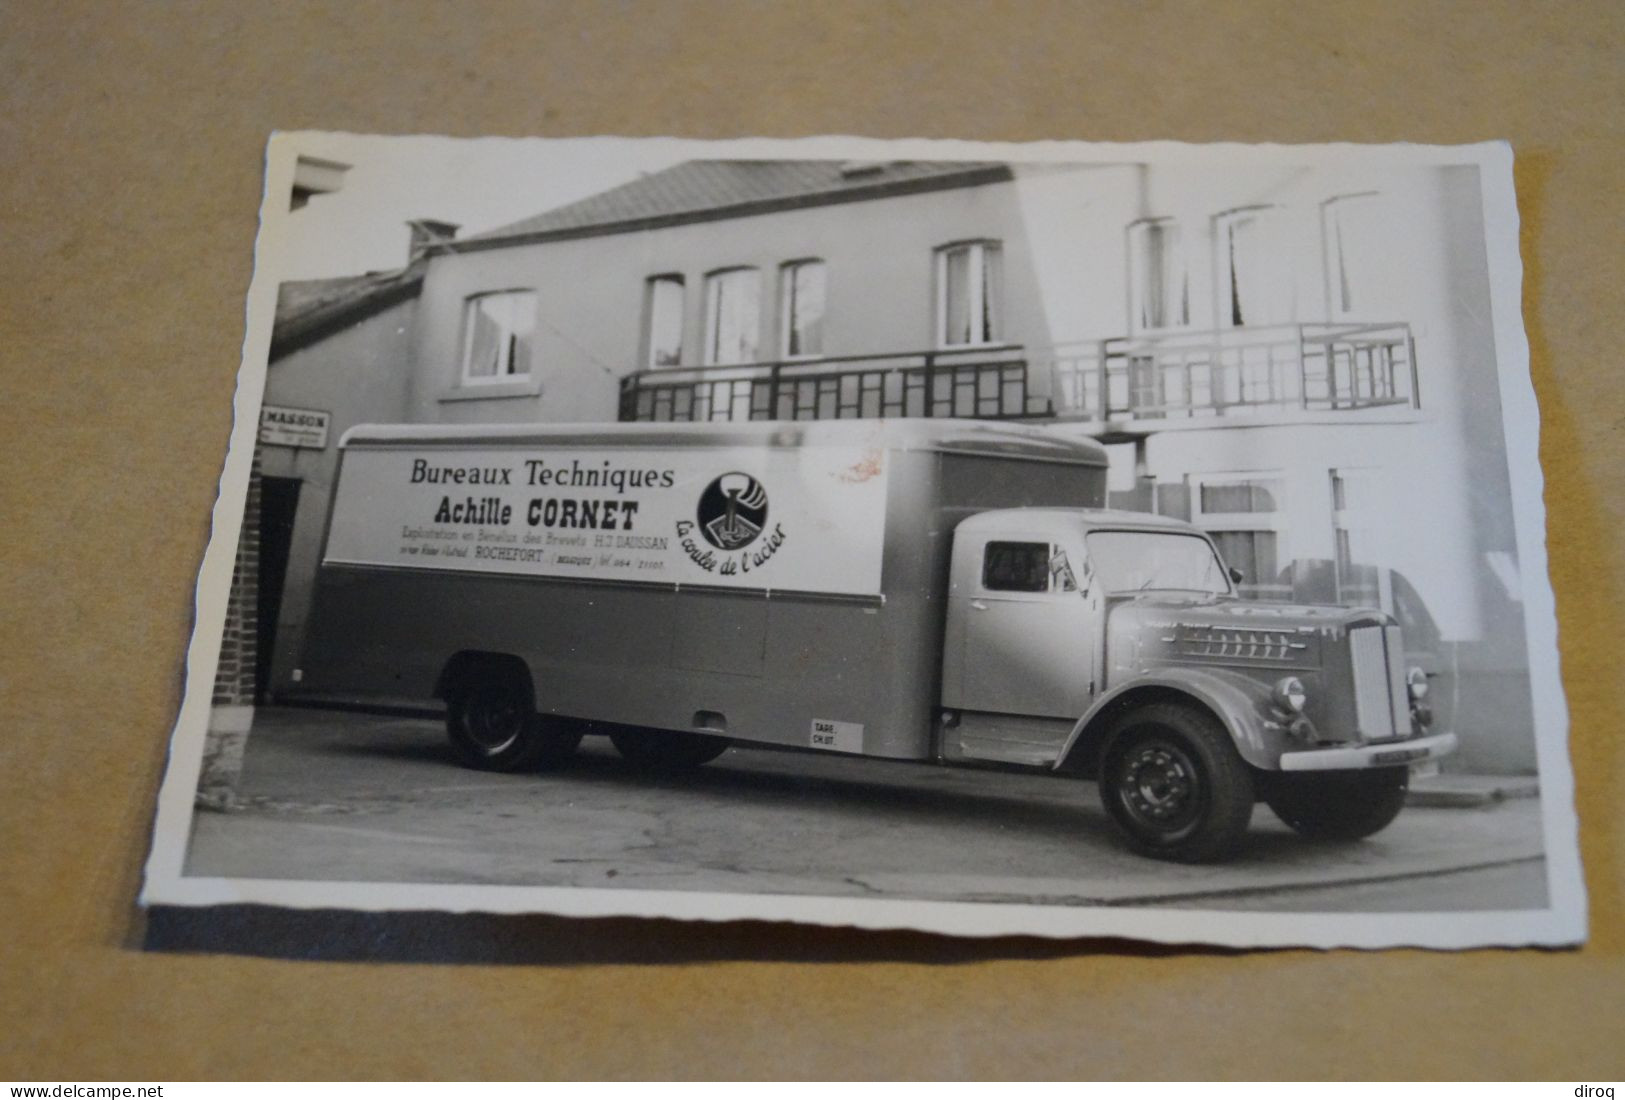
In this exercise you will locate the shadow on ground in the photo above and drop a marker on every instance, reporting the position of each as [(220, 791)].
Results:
[(898, 791)]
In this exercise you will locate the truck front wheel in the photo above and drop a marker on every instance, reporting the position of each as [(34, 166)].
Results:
[(667, 750), (1173, 782), (493, 725), (1348, 805)]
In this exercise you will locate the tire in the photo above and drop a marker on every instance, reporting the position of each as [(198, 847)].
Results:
[(492, 722), (1174, 785), (667, 750), (1339, 805)]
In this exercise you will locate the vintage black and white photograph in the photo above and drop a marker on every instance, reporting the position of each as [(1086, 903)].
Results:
[(1061, 539)]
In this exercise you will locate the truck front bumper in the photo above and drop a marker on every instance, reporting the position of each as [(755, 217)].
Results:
[(1389, 754)]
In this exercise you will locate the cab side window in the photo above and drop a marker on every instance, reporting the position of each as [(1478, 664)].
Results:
[(1016, 567)]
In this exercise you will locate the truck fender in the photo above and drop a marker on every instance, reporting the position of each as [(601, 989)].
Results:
[(1240, 703), (470, 662)]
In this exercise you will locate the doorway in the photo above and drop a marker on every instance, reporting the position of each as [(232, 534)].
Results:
[(279, 504)]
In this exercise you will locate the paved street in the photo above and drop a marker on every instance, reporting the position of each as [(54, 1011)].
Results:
[(337, 796)]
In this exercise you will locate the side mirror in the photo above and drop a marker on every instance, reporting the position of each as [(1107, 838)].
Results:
[(1063, 577), (1236, 575)]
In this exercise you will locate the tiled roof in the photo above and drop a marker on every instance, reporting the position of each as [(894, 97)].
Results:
[(700, 190), (309, 309)]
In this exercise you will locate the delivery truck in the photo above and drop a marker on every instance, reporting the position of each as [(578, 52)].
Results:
[(927, 590)]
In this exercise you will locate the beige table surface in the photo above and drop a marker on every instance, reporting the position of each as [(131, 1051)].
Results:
[(130, 143)]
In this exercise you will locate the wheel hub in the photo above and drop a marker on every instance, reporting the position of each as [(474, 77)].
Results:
[(496, 724), (1157, 784)]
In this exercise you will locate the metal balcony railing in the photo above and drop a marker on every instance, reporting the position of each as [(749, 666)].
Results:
[(983, 382), (1319, 367), (1139, 380)]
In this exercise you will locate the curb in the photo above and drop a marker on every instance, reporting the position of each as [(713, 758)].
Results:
[(1470, 791)]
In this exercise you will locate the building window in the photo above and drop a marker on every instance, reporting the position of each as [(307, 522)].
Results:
[(801, 309), (663, 326), (970, 294), (1159, 291), (498, 333), (1356, 274), (1255, 268), (1244, 513), (732, 315)]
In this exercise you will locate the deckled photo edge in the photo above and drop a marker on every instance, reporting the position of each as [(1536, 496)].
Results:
[(1562, 922), (176, 793), (1521, 423)]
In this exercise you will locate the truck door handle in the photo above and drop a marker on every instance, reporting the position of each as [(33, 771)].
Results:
[(978, 605)]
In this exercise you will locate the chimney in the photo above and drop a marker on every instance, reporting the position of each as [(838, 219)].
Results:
[(425, 233)]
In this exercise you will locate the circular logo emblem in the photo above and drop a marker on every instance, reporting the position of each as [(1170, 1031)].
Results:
[(733, 511)]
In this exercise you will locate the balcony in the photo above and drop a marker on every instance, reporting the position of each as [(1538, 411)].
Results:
[(1126, 385), (1278, 368), (991, 383)]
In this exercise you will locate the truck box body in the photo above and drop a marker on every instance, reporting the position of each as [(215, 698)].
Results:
[(777, 582)]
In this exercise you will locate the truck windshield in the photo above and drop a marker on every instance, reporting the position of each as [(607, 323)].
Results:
[(1150, 561)]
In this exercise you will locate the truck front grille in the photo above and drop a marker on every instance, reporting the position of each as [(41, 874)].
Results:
[(1398, 693), (1381, 706)]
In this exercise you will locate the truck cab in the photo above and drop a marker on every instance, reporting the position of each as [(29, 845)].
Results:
[(1114, 645)]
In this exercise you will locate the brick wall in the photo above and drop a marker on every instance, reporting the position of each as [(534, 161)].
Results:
[(234, 676)]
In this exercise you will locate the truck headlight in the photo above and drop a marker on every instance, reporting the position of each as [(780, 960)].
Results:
[(1290, 694), (1416, 683)]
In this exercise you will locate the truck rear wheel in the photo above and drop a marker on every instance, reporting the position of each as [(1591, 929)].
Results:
[(1174, 784), (1348, 805), (667, 750), (492, 722)]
